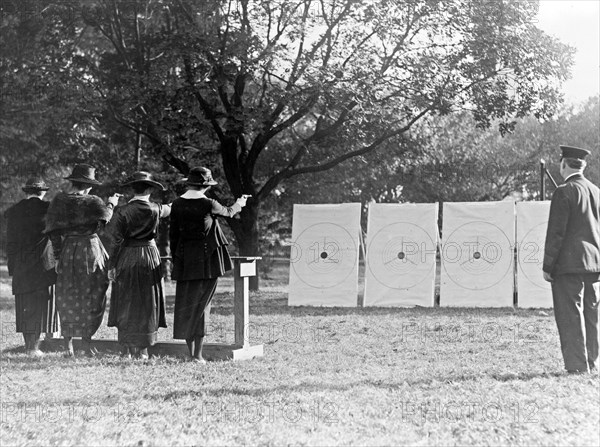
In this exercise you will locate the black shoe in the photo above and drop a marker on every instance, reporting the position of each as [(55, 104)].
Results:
[(90, 351)]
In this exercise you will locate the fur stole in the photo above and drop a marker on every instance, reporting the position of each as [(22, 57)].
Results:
[(73, 210)]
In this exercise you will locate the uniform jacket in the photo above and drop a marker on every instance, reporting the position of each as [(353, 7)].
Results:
[(25, 245), (198, 245), (573, 235)]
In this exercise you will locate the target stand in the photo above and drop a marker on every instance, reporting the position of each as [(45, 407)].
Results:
[(244, 268)]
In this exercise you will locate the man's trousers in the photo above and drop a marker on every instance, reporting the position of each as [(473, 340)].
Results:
[(575, 298)]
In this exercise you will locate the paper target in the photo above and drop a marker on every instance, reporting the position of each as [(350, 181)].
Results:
[(532, 222), (401, 255), (324, 255), (476, 249), (477, 254), (327, 257)]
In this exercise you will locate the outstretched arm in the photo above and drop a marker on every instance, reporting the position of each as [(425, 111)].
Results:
[(227, 211)]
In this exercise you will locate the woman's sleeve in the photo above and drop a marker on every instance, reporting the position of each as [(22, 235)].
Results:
[(115, 229), (226, 211), (54, 228), (165, 210), (110, 209), (173, 233), (12, 247), (57, 242)]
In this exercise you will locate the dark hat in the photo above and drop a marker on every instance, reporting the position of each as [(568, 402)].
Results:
[(35, 184), (574, 152), (143, 177), (84, 174), (200, 177)]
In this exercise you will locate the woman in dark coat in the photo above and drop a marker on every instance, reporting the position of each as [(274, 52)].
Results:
[(200, 256), (32, 283), (137, 304), (72, 222)]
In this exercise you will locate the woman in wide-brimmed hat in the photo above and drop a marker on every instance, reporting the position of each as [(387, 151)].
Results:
[(72, 222), (32, 283), (137, 304), (200, 256)]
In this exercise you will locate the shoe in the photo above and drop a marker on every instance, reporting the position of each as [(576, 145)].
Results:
[(92, 352), (88, 349), (35, 353), (199, 360), (70, 352), (143, 354)]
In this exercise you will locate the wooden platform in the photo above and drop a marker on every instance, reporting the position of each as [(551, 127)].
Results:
[(244, 267), (210, 351)]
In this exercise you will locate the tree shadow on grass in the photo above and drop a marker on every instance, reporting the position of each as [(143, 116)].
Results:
[(276, 303), (17, 358), (299, 311), (319, 388)]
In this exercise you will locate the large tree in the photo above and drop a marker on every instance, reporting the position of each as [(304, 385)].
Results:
[(266, 91)]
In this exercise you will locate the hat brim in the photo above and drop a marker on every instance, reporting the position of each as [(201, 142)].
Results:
[(35, 188), (574, 152), (150, 183), (83, 180), (213, 183)]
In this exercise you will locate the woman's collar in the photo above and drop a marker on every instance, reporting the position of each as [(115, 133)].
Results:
[(141, 198), (193, 194)]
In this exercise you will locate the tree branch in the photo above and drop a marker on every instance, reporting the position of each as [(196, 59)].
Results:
[(208, 111), (290, 172)]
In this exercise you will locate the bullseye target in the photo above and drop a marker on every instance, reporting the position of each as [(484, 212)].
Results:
[(479, 249), (532, 222), (401, 254), (477, 254), (324, 255)]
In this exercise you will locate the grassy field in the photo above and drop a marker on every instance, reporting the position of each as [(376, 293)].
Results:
[(330, 376)]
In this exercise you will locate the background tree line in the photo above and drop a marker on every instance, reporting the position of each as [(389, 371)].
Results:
[(290, 101)]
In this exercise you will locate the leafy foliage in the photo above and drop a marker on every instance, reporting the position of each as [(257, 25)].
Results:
[(265, 92)]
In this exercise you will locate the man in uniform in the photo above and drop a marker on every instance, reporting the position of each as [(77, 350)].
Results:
[(572, 262)]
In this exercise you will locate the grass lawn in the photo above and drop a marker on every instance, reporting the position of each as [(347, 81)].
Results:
[(330, 376)]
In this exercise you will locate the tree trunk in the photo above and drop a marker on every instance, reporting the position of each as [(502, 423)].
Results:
[(247, 235)]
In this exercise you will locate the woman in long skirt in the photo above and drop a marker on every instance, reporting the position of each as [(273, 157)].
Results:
[(200, 256), (32, 282), (72, 221), (137, 304)]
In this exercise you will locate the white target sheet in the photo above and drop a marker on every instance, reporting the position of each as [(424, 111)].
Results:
[(532, 222), (477, 254), (401, 254), (324, 255)]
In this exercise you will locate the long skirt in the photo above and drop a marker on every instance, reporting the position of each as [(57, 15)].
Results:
[(137, 301), (36, 311), (192, 304), (81, 285)]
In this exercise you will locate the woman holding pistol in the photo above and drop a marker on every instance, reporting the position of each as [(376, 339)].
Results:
[(200, 256)]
